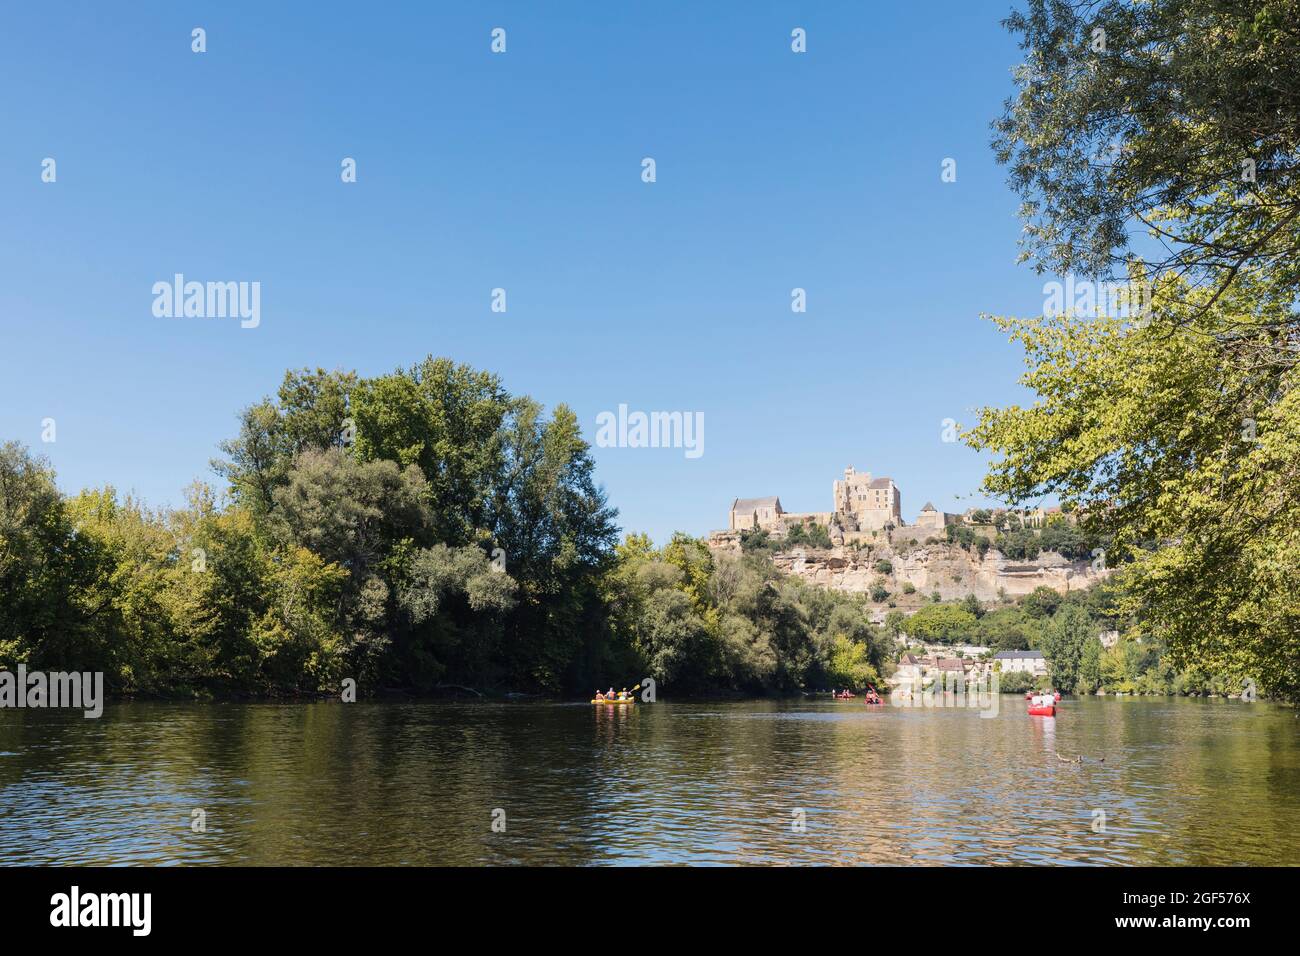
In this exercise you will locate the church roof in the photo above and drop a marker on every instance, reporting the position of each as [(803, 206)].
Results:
[(747, 506), (929, 507)]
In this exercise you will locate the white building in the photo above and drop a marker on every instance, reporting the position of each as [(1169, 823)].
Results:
[(1029, 662)]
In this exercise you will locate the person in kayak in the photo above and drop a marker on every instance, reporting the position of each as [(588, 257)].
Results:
[(600, 694)]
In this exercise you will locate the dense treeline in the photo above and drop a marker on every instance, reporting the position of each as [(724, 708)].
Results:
[(735, 622), (356, 538), (413, 530)]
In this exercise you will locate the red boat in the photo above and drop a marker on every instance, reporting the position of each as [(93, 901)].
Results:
[(1042, 710)]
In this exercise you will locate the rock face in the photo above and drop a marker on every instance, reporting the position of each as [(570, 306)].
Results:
[(949, 569)]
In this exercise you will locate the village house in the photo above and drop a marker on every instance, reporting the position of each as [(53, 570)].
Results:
[(909, 669), (949, 665), (915, 672), (1029, 662)]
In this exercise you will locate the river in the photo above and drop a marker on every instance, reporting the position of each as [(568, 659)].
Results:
[(1164, 782)]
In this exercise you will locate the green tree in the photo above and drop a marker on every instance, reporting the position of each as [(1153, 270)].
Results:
[(51, 578), (450, 421), (894, 621), (849, 665), (1063, 645), (1172, 433), (1090, 666), (1146, 113), (1041, 602), (944, 623)]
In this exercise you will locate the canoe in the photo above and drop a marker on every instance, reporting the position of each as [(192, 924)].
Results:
[(1048, 710), (629, 700)]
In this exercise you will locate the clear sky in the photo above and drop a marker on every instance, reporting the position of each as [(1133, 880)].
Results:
[(521, 171)]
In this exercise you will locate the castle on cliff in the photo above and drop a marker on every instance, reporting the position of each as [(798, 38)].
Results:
[(861, 508)]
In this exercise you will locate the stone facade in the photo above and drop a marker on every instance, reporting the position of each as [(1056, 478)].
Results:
[(931, 519), (750, 513), (867, 503)]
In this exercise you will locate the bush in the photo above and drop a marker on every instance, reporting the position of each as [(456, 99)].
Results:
[(1015, 682), (1019, 545), (811, 535), (962, 535)]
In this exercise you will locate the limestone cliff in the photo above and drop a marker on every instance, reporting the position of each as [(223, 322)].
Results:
[(947, 569)]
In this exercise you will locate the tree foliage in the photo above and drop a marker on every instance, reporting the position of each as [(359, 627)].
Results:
[(1175, 433)]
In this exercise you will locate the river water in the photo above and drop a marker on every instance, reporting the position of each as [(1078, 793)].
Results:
[(1164, 781)]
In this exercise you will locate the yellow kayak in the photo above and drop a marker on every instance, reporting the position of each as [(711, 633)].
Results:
[(629, 700)]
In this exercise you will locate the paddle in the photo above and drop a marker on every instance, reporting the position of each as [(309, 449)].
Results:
[(631, 693)]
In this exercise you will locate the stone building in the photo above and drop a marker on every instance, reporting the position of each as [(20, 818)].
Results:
[(748, 513), (931, 519), (870, 502)]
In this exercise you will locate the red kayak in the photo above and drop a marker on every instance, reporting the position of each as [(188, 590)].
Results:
[(1045, 710)]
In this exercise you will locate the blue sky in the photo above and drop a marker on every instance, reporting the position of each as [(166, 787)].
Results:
[(522, 171)]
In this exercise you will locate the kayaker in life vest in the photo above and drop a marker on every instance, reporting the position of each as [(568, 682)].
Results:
[(600, 694)]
